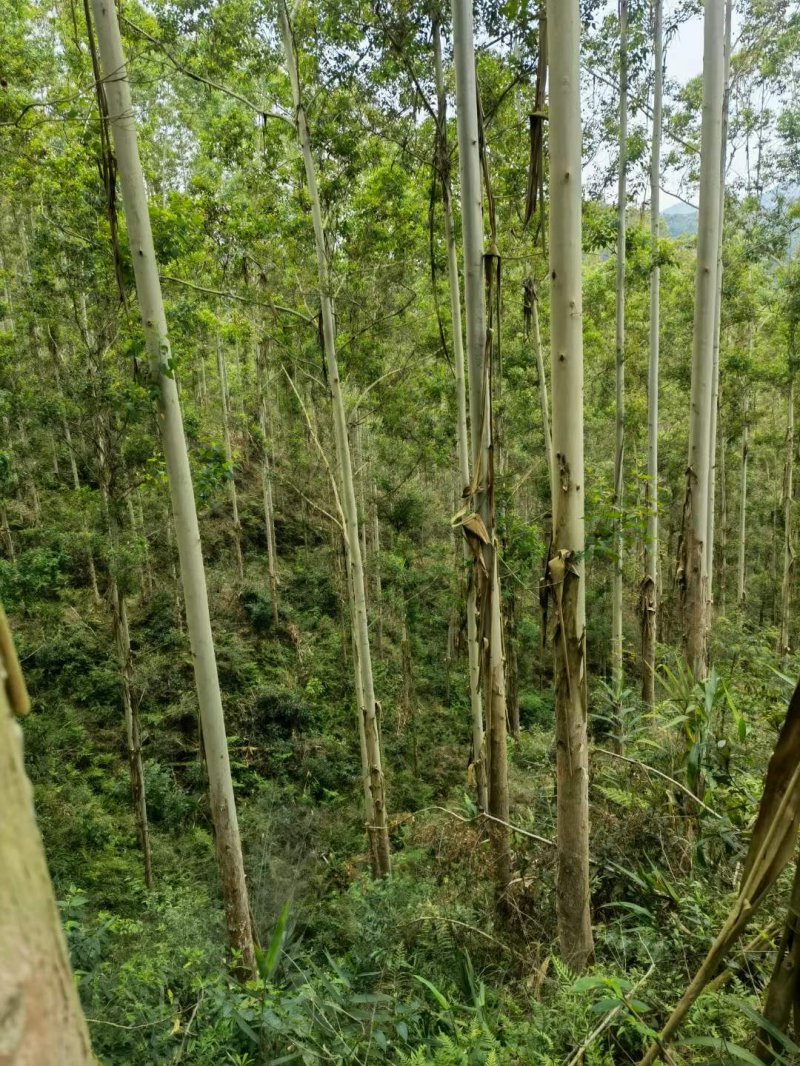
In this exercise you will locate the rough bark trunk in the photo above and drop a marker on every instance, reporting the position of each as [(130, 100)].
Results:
[(694, 557), (478, 762), (567, 564), (378, 825), (236, 525), (479, 527), (619, 438), (41, 1020), (148, 288), (649, 600)]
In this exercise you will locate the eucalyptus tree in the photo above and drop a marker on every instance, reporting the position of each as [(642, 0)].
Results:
[(222, 374), (712, 425), (148, 286), (619, 434), (694, 557), (462, 429), (649, 588), (478, 518), (372, 768), (567, 566)]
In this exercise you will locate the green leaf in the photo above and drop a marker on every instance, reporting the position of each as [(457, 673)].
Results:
[(437, 995), (267, 961)]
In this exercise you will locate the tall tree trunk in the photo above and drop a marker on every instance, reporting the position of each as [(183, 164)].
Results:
[(715, 401), (377, 817), (41, 1020), (73, 461), (266, 480), (222, 372), (544, 404), (788, 530), (740, 570), (694, 558), (148, 287), (619, 440), (376, 565), (649, 591), (479, 527), (122, 639), (462, 438), (567, 563)]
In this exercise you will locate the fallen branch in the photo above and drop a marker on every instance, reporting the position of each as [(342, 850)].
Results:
[(661, 774)]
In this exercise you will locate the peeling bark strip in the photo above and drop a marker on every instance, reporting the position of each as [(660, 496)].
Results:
[(479, 527), (376, 820), (198, 622), (567, 566), (694, 559)]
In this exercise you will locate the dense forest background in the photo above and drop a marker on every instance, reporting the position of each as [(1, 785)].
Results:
[(425, 966)]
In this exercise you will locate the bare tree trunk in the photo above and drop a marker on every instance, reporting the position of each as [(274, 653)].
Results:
[(376, 565), (479, 526), (41, 1020), (478, 762), (715, 403), (694, 557), (8, 540), (226, 438), (544, 404), (378, 826), (617, 678), (148, 287), (740, 571), (788, 531), (567, 564), (649, 599), (266, 481)]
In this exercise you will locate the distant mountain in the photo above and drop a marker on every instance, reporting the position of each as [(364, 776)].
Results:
[(680, 219)]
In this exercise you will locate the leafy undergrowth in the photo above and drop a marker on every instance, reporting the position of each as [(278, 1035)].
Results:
[(417, 969)]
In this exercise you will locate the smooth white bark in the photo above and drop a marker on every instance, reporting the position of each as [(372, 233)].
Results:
[(694, 574), (567, 565), (198, 621)]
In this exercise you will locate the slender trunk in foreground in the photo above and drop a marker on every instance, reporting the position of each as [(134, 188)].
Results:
[(567, 574), (694, 557), (649, 590), (377, 826), (478, 762), (619, 441), (479, 525), (198, 621), (41, 1020)]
